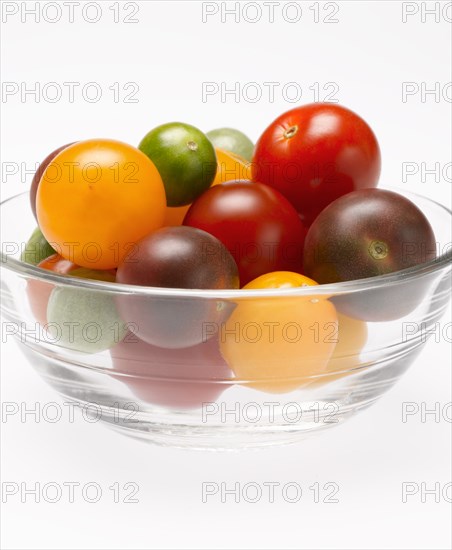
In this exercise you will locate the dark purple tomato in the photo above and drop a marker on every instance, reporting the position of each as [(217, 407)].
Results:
[(364, 234), (179, 378), (176, 257), (367, 233), (258, 226), (385, 301), (38, 175), (179, 257)]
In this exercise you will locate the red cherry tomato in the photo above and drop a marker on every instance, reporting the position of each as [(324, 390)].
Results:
[(39, 292), (316, 153), (258, 226), (181, 378)]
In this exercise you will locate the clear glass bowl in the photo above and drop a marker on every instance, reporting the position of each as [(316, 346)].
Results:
[(183, 392)]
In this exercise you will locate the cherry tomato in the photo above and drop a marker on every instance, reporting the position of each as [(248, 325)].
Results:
[(232, 140), (58, 264), (38, 175), (367, 233), (39, 292), (96, 199), (351, 338), (179, 257), (179, 378), (185, 159), (256, 223), (174, 215), (280, 279), (84, 320), (277, 345), (37, 249), (364, 234), (231, 167), (314, 154), (176, 257)]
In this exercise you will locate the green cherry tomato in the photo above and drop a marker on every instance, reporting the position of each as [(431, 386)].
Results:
[(36, 249), (185, 159), (232, 140), (84, 320)]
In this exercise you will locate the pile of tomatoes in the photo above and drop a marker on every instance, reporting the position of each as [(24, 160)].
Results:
[(179, 211)]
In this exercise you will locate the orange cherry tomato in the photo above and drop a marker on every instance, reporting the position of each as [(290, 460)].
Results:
[(277, 344), (174, 215), (280, 279), (231, 167), (97, 198), (351, 338)]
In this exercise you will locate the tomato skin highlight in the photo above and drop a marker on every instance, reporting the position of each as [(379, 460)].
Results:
[(258, 226), (314, 154), (280, 279)]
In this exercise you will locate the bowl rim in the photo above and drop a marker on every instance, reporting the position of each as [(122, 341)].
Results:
[(330, 289)]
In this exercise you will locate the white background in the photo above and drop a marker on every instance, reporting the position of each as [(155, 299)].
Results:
[(169, 53)]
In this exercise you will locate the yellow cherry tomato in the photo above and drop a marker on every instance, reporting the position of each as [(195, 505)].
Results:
[(351, 338), (174, 215), (231, 167), (280, 279), (96, 199), (277, 344)]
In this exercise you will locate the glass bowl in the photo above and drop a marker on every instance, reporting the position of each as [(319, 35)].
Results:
[(220, 369)]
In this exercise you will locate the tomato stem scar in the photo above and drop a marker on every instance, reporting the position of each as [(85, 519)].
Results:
[(378, 250), (290, 132)]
